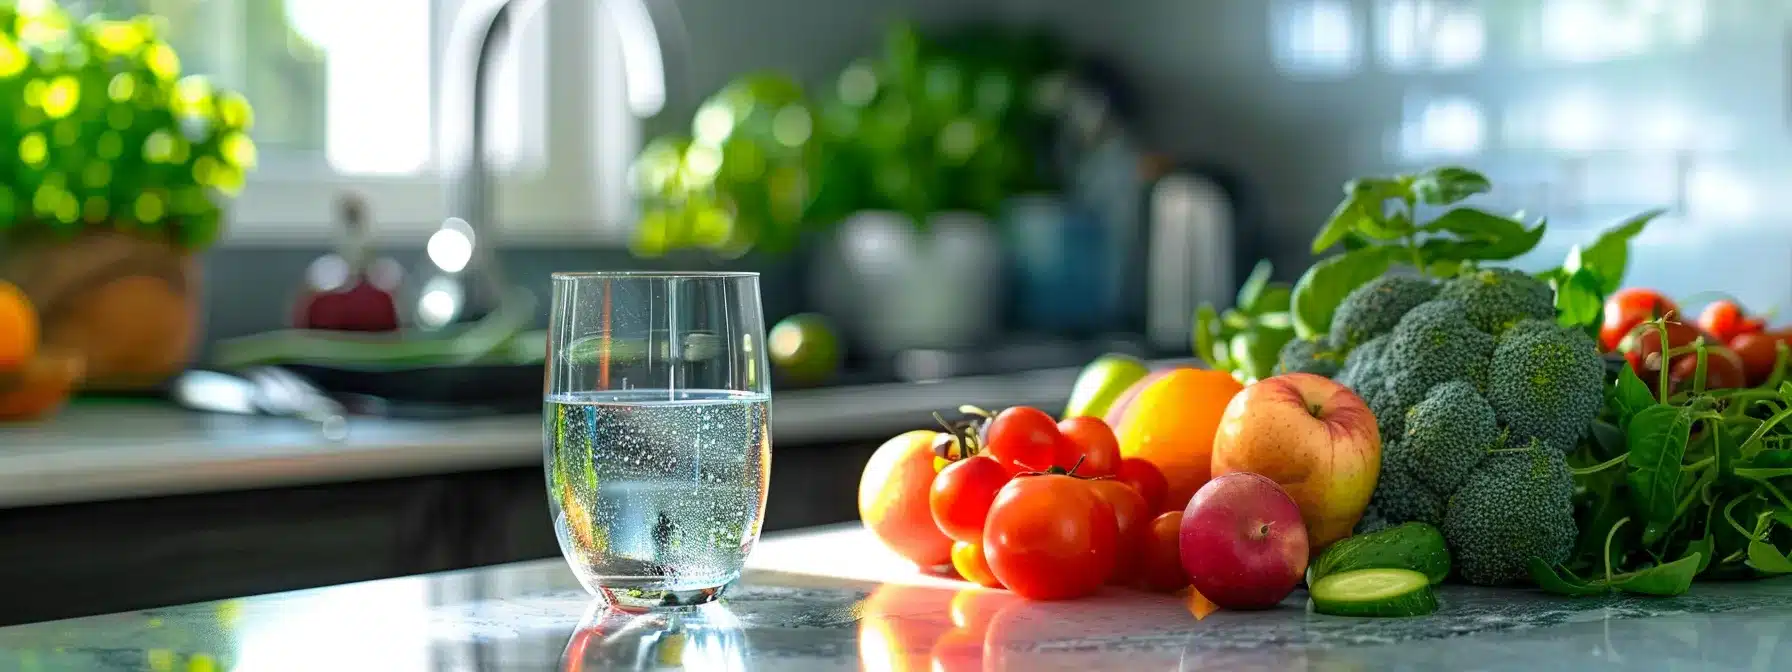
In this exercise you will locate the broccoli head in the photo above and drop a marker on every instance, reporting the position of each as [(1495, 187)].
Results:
[(1547, 383), (1447, 435), (1435, 344), (1390, 414), (1515, 507), (1497, 298), (1401, 498), (1374, 308), (1307, 356)]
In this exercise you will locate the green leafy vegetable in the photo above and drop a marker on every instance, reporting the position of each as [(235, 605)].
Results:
[(1657, 441), (1324, 286)]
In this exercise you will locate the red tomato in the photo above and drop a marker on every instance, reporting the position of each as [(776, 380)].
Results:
[(1723, 370), (1093, 444), (1024, 438), (1726, 320), (961, 494), (1131, 517), (1759, 352), (1160, 559), (1146, 478), (972, 566), (1050, 537), (1642, 346), (1630, 307)]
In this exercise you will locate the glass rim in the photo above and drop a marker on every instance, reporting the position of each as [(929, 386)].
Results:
[(666, 275)]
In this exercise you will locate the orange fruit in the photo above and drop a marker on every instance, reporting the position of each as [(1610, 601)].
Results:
[(18, 327), (1171, 425), (39, 386)]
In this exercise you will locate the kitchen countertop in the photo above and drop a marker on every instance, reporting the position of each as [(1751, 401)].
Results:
[(110, 449), (829, 598)]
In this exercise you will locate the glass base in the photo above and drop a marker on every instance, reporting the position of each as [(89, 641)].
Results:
[(642, 597)]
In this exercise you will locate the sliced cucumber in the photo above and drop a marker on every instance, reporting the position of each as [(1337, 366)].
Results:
[(1374, 592)]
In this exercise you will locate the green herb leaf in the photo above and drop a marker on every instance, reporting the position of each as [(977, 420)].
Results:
[(1207, 324), (1276, 298), (1579, 299), (1630, 396), (1449, 184), (1324, 286), (1516, 242), (1657, 441), (1346, 219), (1255, 351), (1252, 290), (1610, 252), (1704, 546), (1473, 224), (1391, 228)]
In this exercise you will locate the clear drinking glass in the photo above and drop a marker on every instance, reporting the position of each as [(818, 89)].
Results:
[(656, 431)]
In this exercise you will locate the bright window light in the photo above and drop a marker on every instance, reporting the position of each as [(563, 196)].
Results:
[(1314, 37), (378, 94), (1445, 127), (1429, 34)]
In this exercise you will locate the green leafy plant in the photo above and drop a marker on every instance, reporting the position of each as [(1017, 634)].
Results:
[(950, 123), (105, 133), (1675, 486), (1247, 338), (1378, 226)]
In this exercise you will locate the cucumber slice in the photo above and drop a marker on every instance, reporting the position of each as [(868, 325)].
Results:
[(1374, 592)]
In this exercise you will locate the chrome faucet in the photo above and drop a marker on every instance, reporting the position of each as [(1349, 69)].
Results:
[(478, 285)]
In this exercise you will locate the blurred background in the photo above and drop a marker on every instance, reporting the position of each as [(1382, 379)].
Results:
[(290, 259)]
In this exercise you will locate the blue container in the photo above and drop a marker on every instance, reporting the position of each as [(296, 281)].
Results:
[(1058, 266)]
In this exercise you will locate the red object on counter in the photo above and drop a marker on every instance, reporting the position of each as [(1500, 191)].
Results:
[(342, 291)]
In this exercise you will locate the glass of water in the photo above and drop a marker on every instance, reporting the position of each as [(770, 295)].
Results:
[(656, 431)]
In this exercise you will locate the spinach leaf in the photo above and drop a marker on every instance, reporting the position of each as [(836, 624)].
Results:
[(1664, 580), (1765, 558), (1324, 286), (1207, 328), (1345, 220), (1704, 546), (1516, 241), (1630, 395), (1560, 581), (1657, 443), (1448, 184)]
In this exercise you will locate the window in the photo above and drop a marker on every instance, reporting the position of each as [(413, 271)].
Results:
[(369, 96)]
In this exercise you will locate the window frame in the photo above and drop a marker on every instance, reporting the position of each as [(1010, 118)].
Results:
[(572, 190)]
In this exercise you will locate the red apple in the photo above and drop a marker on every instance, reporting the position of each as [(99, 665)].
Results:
[(1243, 543), (1313, 436)]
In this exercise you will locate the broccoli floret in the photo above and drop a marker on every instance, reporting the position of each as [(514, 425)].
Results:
[(1515, 507), (1547, 383), (1497, 298), (1307, 356), (1447, 435), (1363, 364), (1374, 308), (1435, 344), (1390, 414), (1400, 498)]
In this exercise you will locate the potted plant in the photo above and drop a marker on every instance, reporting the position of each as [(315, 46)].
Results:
[(113, 169)]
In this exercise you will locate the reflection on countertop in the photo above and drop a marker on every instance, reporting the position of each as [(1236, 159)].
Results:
[(788, 616)]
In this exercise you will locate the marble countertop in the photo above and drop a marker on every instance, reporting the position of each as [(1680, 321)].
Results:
[(99, 450), (830, 599)]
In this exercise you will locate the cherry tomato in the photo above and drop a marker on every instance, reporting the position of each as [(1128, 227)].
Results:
[(1146, 478), (961, 494), (1723, 370), (972, 566), (1758, 352), (1630, 307), (1094, 445), (1726, 320), (1160, 559), (1132, 518), (1024, 438), (1642, 346), (1050, 537)]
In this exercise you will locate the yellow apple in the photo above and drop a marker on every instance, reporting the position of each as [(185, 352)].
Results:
[(1311, 435)]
